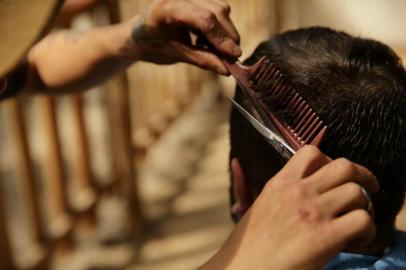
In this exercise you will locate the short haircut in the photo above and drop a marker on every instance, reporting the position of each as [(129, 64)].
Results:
[(358, 88)]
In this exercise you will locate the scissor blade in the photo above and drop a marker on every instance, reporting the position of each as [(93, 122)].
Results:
[(277, 142)]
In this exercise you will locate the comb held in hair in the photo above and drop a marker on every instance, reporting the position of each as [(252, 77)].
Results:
[(305, 127)]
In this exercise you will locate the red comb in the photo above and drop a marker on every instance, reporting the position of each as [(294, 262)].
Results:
[(306, 126)]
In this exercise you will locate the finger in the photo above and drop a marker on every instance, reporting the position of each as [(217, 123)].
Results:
[(341, 171), (355, 228), (205, 21), (304, 163), (343, 199), (200, 58), (222, 11)]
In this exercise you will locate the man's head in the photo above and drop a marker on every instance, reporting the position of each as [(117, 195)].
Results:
[(357, 87)]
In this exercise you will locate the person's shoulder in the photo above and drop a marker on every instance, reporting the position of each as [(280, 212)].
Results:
[(395, 255)]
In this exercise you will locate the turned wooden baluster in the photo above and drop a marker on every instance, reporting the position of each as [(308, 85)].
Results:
[(60, 222), (35, 253), (84, 184), (124, 158), (6, 261)]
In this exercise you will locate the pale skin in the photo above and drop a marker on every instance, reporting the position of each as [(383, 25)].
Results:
[(297, 209)]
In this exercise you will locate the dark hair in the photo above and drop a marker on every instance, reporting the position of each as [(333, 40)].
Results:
[(358, 88)]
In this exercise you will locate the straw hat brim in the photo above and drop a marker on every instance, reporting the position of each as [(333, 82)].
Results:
[(21, 24)]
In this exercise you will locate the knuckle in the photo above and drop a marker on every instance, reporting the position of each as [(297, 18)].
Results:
[(203, 64), (364, 219), (305, 186), (224, 9), (298, 191), (344, 165), (354, 190), (208, 21), (311, 151)]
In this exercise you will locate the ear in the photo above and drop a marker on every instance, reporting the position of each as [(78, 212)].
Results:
[(242, 195)]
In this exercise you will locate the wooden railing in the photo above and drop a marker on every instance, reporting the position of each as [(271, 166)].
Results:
[(38, 173)]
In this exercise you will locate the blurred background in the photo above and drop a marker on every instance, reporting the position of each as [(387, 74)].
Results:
[(133, 174)]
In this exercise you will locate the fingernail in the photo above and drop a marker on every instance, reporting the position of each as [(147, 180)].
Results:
[(237, 50), (377, 182), (223, 71)]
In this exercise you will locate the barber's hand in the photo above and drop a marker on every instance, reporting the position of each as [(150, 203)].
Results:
[(311, 210), (161, 34)]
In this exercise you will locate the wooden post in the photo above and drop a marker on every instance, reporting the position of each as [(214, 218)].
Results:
[(6, 261), (83, 181), (23, 167), (60, 223), (123, 149), (35, 254), (122, 137)]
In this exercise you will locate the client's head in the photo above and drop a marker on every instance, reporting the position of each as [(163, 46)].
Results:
[(358, 88)]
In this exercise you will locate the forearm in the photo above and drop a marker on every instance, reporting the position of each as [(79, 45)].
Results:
[(68, 61)]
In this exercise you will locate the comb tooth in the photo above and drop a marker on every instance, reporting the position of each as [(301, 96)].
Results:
[(306, 125), (278, 85), (295, 107), (302, 109), (319, 136), (291, 104), (259, 73), (272, 86), (298, 138), (266, 76), (254, 75), (264, 85), (276, 77), (295, 136), (311, 135), (264, 69), (285, 100), (310, 127), (262, 81), (288, 97), (290, 136), (303, 118), (293, 100), (298, 100), (298, 104)]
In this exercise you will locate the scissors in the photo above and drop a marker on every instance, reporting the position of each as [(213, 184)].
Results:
[(270, 132)]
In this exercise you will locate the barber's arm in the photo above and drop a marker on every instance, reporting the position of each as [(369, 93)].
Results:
[(67, 61), (311, 210)]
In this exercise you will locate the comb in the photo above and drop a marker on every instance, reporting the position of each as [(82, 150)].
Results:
[(305, 128)]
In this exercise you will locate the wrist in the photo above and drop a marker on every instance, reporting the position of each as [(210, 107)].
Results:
[(119, 42)]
